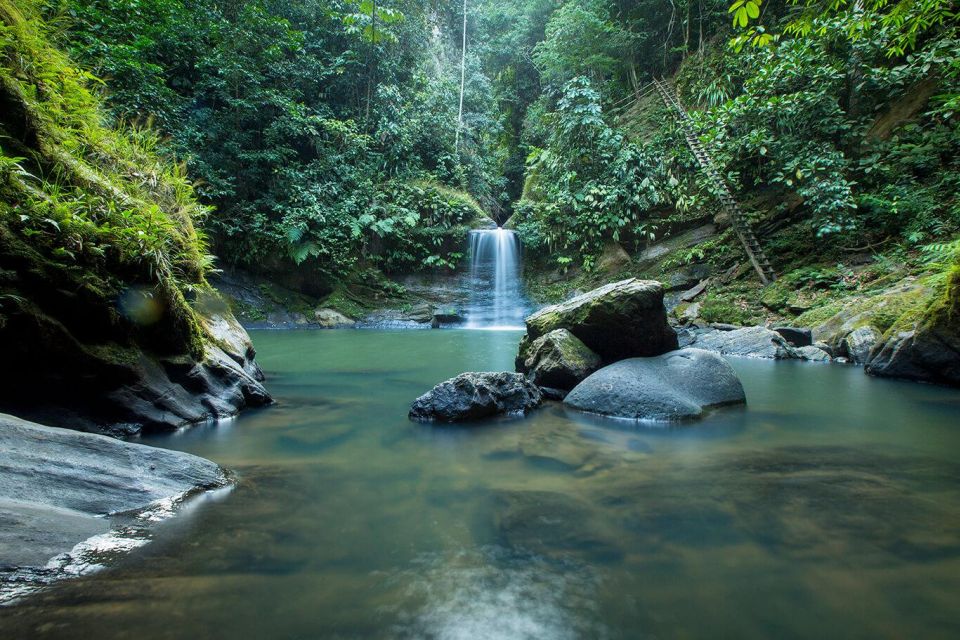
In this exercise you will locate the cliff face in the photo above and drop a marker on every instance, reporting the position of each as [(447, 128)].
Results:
[(107, 322)]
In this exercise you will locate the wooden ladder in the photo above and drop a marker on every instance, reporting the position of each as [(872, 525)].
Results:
[(738, 220)]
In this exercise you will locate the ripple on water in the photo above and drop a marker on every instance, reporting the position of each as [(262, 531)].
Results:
[(497, 594)]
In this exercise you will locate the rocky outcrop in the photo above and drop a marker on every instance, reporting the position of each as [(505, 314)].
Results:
[(152, 366), (751, 342), (857, 345), (796, 336), (558, 360), (620, 320), (814, 353), (924, 347), (57, 484), (474, 396), (674, 386), (332, 319)]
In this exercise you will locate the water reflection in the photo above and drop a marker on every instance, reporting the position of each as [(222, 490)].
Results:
[(828, 507)]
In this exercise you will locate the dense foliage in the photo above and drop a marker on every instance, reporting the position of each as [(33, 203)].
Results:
[(96, 210), (322, 131), (325, 132)]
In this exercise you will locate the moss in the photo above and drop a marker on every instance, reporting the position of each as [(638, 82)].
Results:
[(819, 315), (114, 353), (100, 210), (777, 296), (341, 301)]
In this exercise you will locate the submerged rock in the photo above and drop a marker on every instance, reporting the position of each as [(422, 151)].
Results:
[(477, 395), (555, 524), (558, 360), (619, 320), (57, 484), (674, 386), (753, 342)]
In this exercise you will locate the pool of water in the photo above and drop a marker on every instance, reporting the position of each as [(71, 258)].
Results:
[(828, 507)]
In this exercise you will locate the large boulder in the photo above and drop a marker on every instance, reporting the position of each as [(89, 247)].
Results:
[(332, 319), (558, 360), (56, 486), (753, 342), (924, 346), (858, 344), (674, 386), (474, 396), (620, 320)]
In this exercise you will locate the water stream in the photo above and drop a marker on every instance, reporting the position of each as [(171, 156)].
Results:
[(828, 507), (496, 299)]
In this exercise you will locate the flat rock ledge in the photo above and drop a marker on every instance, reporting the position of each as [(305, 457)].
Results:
[(678, 385), (477, 395), (59, 487), (752, 342)]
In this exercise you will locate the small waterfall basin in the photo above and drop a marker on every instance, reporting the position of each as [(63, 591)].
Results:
[(809, 513)]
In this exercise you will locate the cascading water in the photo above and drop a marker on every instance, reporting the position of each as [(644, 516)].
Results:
[(496, 299)]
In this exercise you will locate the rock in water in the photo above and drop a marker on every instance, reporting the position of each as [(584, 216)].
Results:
[(56, 484), (797, 337), (674, 386), (857, 344), (753, 342), (814, 354), (556, 525), (619, 320), (473, 396), (559, 360), (332, 319)]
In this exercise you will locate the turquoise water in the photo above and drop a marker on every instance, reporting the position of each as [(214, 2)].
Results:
[(828, 507)]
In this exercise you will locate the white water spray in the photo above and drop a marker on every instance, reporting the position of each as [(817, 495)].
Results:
[(496, 301)]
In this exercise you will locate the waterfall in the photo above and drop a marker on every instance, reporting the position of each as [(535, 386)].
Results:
[(496, 301)]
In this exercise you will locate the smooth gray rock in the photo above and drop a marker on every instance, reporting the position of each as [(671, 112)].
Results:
[(619, 320), (675, 386), (814, 354), (477, 395), (559, 360), (857, 344), (56, 484), (753, 342)]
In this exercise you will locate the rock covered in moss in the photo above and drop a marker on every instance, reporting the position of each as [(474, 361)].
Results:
[(619, 320), (925, 348), (332, 319), (674, 386), (477, 395), (559, 360)]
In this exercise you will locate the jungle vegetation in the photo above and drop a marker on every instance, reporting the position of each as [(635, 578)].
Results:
[(323, 136)]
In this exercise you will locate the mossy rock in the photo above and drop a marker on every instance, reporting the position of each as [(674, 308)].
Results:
[(924, 342), (558, 360), (619, 320)]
